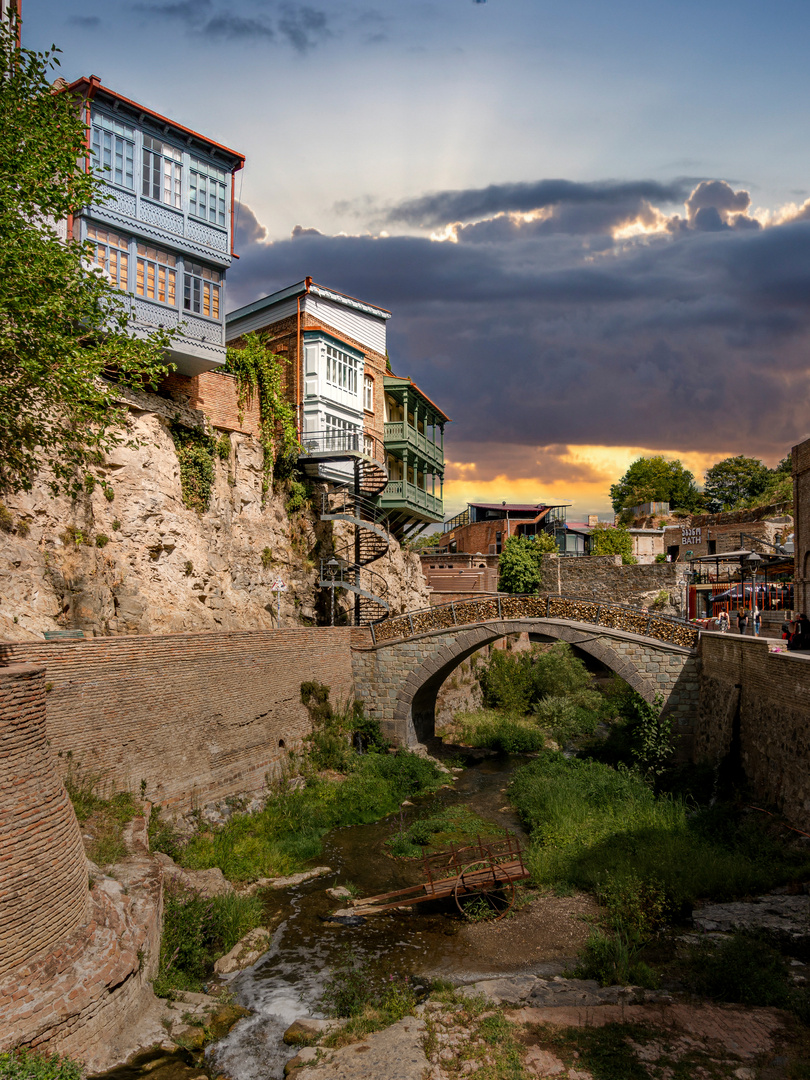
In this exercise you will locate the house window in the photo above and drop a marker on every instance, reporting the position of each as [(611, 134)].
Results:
[(368, 446), (341, 370), (162, 171), (368, 393), (114, 148), (156, 277), (206, 192), (201, 290), (341, 435), (111, 253)]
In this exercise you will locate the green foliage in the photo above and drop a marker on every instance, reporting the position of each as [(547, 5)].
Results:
[(613, 958), (267, 557), (743, 969), (195, 453), (655, 745), (655, 479), (116, 525), (591, 823), (162, 835), (660, 557), (109, 814), (223, 446), (733, 481), (196, 931), (613, 540), (569, 718), (24, 1064), (63, 328), (298, 497), (6, 520), (259, 377), (287, 832), (515, 681), (102, 540), (506, 732), (521, 560), (356, 990), (454, 825)]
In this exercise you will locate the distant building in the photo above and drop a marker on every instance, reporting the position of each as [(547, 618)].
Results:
[(459, 575), (485, 527), (164, 233)]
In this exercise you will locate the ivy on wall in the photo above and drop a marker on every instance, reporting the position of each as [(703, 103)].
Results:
[(195, 454), (258, 374)]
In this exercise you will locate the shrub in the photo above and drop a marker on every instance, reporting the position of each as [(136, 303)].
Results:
[(267, 557), (24, 1064), (298, 496), (660, 557), (506, 732), (742, 969), (102, 540), (513, 681), (116, 525), (223, 446)]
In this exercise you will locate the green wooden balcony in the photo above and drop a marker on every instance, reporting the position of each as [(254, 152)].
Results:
[(400, 496), (401, 436)]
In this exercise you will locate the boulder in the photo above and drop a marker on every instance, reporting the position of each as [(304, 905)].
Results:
[(245, 953)]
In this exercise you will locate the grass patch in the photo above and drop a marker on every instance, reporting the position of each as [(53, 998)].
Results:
[(594, 826), (196, 932), (490, 1041), (504, 731), (283, 836), (23, 1064), (455, 825), (103, 818), (368, 1001)]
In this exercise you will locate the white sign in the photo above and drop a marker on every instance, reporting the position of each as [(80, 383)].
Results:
[(278, 586)]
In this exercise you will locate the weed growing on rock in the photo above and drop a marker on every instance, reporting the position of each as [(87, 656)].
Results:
[(267, 557), (195, 454), (102, 540), (6, 520), (103, 818)]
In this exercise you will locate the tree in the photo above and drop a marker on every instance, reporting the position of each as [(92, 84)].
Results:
[(64, 329), (520, 564), (612, 540), (655, 479), (734, 480)]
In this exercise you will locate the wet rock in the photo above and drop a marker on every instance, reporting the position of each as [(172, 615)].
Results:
[(339, 893), (504, 991), (245, 953), (305, 1029), (286, 882), (206, 882), (345, 918), (393, 1054), (784, 919)]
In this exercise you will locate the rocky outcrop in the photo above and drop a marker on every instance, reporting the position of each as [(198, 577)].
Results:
[(144, 563)]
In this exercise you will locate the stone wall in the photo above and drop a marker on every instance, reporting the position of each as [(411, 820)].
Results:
[(197, 716), (602, 577), (43, 870), (755, 705)]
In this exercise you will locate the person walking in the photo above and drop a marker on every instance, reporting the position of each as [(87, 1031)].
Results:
[(723, 620), (742, 620), (757, 621)]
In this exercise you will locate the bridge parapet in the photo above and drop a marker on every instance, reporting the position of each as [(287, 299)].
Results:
[(550, 606)]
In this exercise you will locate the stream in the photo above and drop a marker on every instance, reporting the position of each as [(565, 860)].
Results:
[(287, 982)]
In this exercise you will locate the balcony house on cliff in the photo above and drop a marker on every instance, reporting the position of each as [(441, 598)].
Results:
[(414, 447), (164, 232)]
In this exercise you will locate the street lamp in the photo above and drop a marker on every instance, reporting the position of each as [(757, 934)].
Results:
[(753, 561), (332, 568)]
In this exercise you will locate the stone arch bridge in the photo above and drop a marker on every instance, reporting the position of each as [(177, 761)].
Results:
[(399, 675)]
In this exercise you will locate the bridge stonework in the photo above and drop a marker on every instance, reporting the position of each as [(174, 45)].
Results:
[(398, 681)]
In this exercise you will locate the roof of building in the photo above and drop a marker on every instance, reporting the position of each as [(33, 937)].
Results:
[(388, 379), (518, 507), (301, 288), (91, 88)]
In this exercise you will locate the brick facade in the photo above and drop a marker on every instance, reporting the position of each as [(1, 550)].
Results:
[(756, 705), (43, 871), (197, 716), (721, 532), (214, 393)]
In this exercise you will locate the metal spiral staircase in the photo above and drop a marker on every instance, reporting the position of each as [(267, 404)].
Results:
[(353, 504)]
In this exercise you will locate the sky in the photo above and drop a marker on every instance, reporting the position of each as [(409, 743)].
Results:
[(590, 221)]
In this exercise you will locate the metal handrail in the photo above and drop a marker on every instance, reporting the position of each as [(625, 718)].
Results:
[(666, 628), (349, 576), (344, 442)]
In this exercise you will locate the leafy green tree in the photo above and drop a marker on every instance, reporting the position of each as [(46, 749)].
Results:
[(655, 479), (520, 564), (734, 480), (613, 540), (64, 329)]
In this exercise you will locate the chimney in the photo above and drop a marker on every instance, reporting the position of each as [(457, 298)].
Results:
[(593, 520)]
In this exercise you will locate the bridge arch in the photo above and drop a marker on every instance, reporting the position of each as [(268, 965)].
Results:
[(399, 681)]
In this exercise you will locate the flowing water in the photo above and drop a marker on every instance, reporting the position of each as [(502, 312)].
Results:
[(288, 981)]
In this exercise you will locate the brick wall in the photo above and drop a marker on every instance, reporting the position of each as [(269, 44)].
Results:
[(197, 716), (725, 535), (757, 704), (43, 871), (214, 393)]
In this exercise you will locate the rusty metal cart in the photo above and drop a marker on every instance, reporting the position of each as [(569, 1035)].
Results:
[(480, 878)]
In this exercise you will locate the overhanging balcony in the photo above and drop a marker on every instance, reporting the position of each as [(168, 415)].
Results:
[(401, 497), (400, 436)]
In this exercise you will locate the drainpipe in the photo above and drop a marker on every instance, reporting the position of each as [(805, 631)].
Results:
[(298, 358)]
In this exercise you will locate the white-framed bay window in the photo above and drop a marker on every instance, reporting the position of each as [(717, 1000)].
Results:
[(162, 172), (201, 289), (341, 369), (114, 149), (207, 192), (156, 277), (368, 393), (111, 253), (341, 434)]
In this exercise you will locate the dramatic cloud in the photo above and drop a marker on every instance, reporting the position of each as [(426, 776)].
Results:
[(86, 22), (301, 27), (544, 341), (469, 205)]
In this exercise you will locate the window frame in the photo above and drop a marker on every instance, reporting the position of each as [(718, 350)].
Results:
[(167, 155), (342, 370), (103, 125), (206, 176), (171, 269), (120, 249), (368, 392), (207, 285)]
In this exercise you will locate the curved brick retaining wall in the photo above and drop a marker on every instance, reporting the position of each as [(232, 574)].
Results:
[(43, 870)]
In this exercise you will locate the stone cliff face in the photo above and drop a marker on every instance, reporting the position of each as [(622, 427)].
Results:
[(143, 563)]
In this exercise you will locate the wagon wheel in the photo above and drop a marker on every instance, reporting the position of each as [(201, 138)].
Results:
[(488, 900)]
